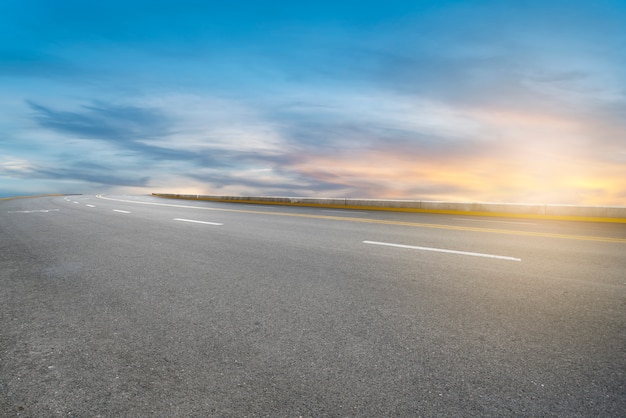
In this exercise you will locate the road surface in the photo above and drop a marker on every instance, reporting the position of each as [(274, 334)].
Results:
[(138, 306)]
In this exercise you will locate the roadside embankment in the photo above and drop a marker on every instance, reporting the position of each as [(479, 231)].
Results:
[(615, 214)]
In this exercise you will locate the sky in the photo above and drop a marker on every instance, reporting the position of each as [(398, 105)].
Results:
[(476, 100)]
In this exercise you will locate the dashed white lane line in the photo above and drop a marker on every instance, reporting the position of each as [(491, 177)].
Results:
[(120, 211), (91, 206), (495, 222), (441, 250), (197, 222)]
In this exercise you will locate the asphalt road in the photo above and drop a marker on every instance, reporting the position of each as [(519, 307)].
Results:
[(135, 306)]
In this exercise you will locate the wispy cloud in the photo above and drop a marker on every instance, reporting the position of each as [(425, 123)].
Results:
[(125, 125), (89, 175)]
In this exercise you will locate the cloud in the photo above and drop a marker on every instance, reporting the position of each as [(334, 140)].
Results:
[(17, 168), (273, 181), (89, 175), (139, 141), (530, 56), (331, 121), (128, 128), (369, 144), (13, 166), (125, 125)]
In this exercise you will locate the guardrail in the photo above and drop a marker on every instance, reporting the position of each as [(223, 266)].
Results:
[(537, 211)]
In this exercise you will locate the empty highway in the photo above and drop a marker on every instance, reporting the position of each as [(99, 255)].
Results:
[(143, 306)]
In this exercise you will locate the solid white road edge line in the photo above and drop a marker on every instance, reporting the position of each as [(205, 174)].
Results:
[(440, 250), (197, 222), (120, 211)]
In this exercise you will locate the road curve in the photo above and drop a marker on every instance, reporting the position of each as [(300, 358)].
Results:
[(137, 306)]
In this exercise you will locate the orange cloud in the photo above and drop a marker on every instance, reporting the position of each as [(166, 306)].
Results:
[(393, 174)]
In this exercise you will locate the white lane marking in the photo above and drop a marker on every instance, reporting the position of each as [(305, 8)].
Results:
[(197, 222), (496, 222), (120, 211), (33, 211), (343, 211), (91, 206), (74, 202), (441, 250), (155, 204)]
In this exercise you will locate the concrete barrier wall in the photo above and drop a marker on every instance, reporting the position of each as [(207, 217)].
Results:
[(563, 212)]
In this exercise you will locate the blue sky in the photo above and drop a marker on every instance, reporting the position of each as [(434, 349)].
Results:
[(514, 101)]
